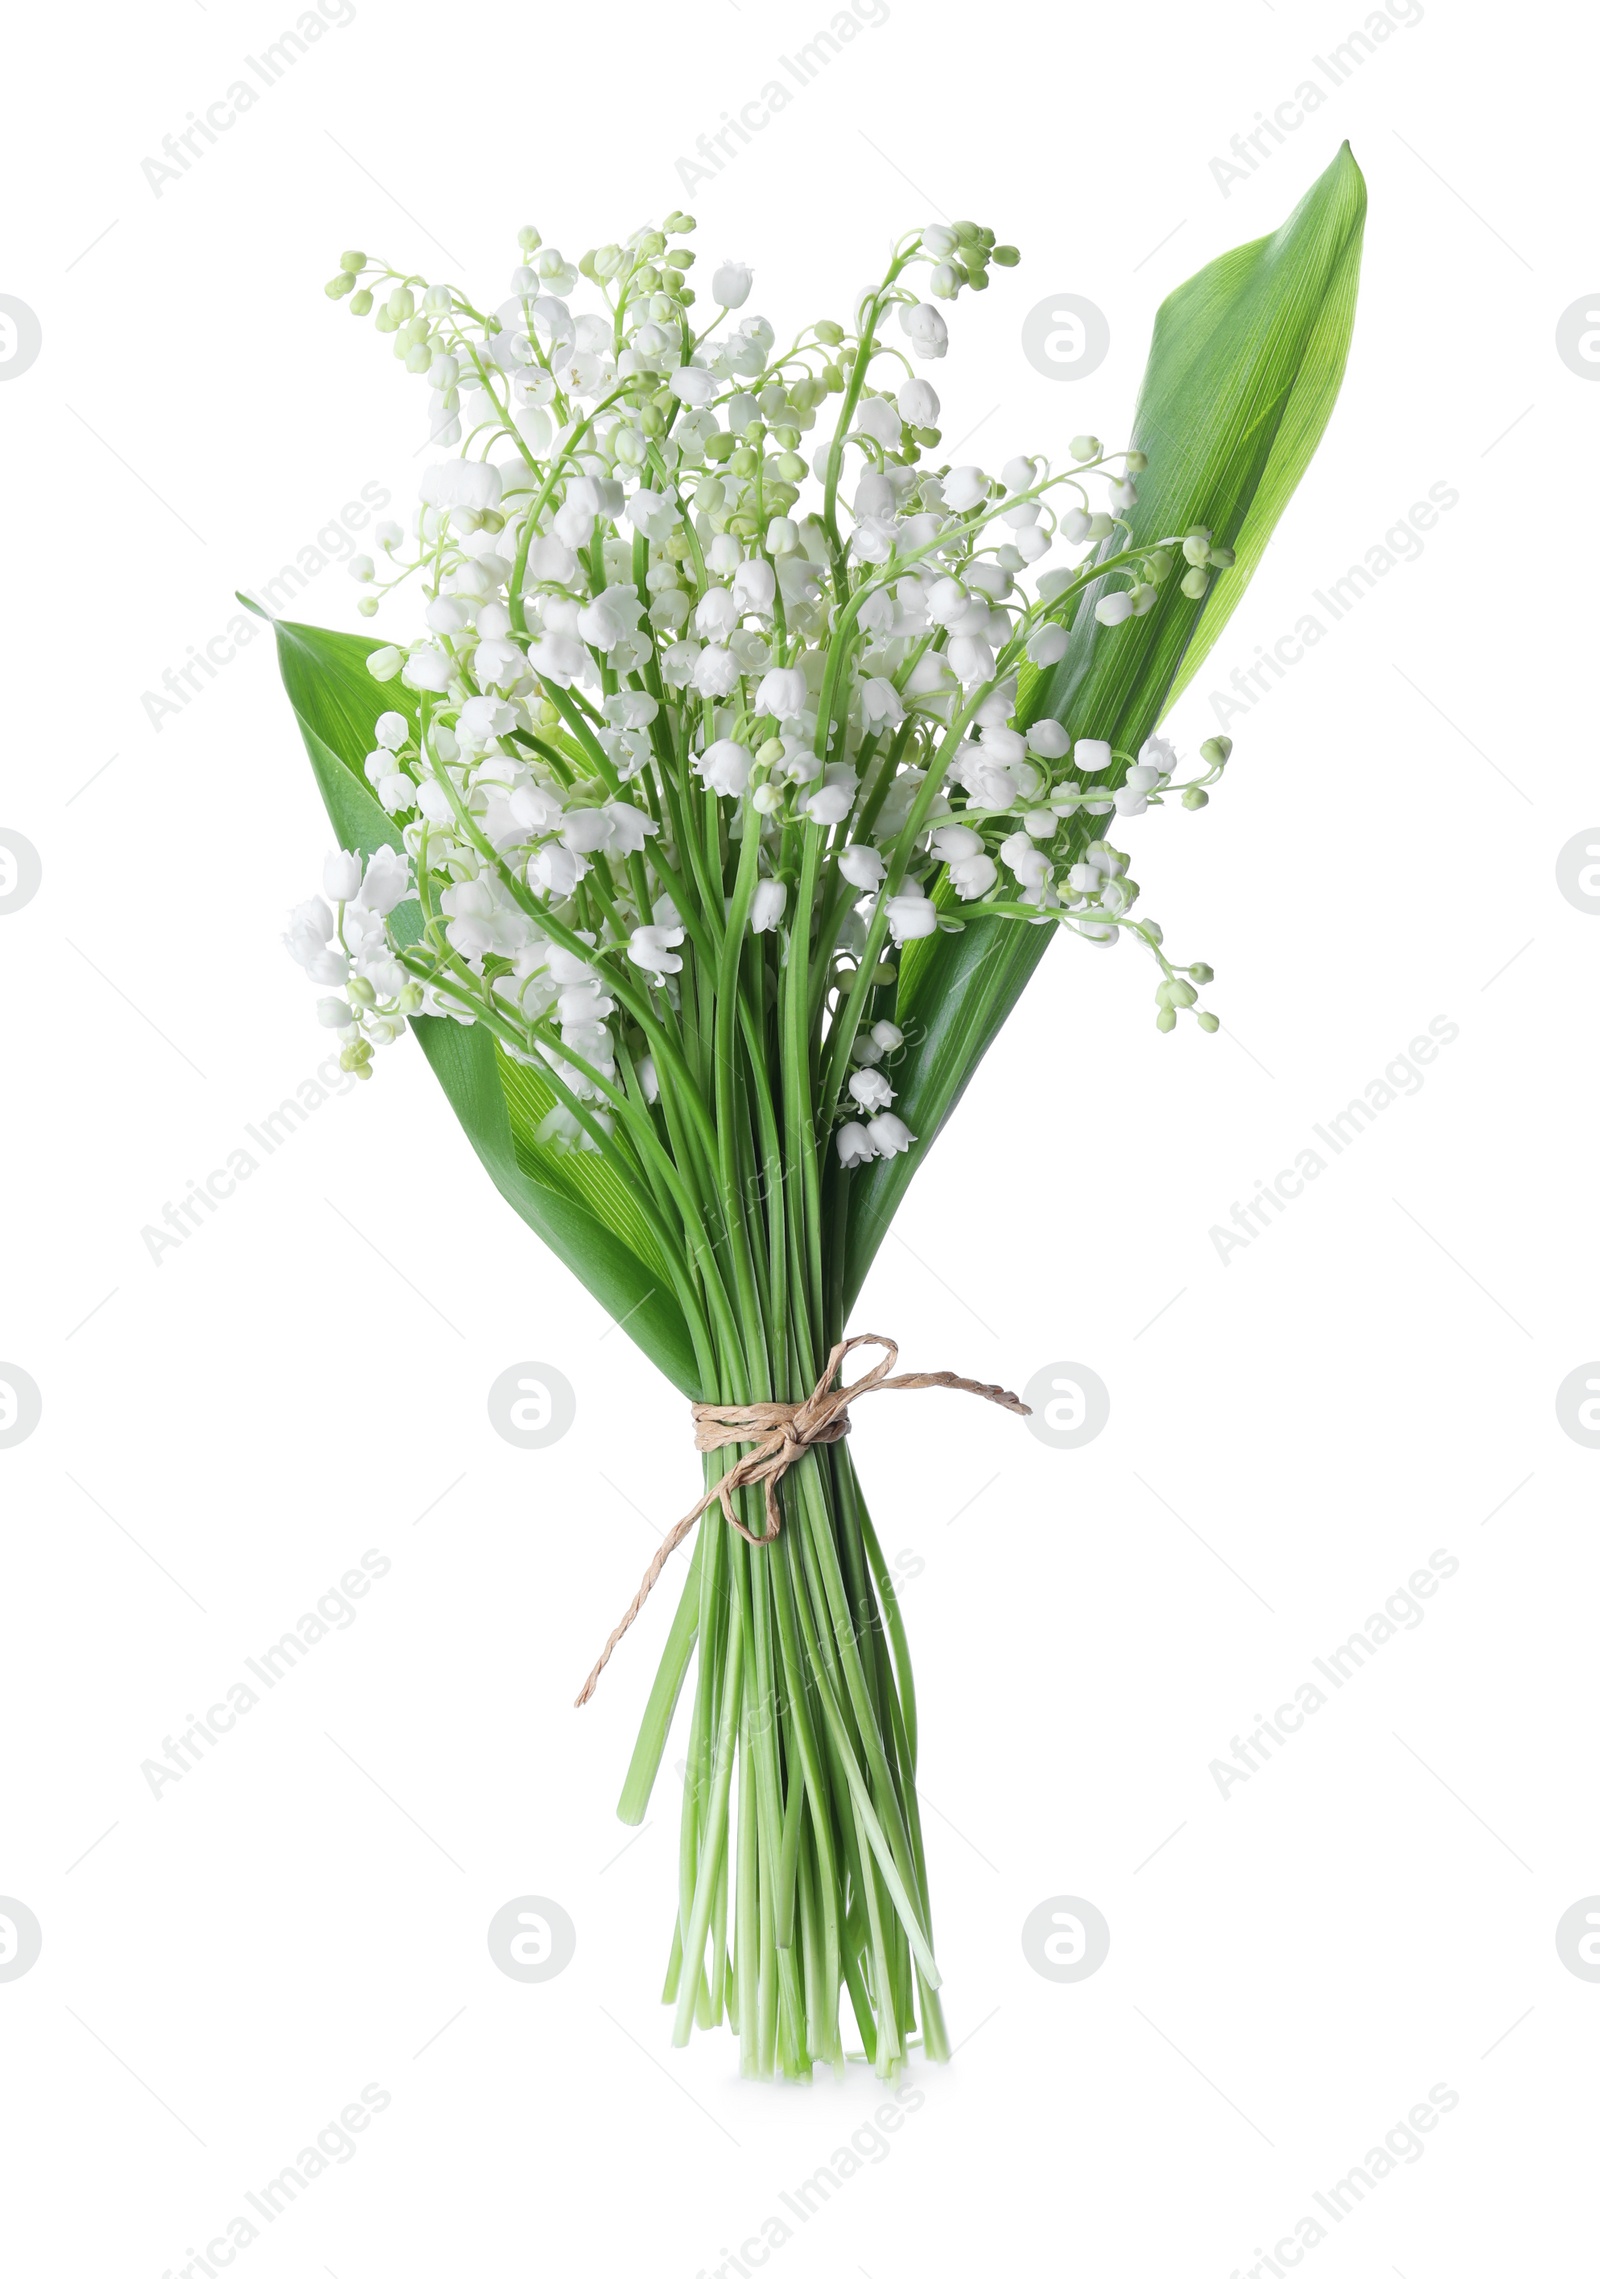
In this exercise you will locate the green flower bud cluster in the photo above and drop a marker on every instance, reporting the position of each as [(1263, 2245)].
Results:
[(961, 253), (1215, 752), (1177, 994), (1203, 555)]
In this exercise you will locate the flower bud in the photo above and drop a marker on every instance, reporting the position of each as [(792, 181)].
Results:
[(1085, 447), (1194, 583), (1216, 750)]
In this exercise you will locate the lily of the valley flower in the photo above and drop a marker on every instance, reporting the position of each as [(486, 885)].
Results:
[(652, 947), (647, 655)]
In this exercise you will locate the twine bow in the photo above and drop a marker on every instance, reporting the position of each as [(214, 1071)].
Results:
[(782, 1432)]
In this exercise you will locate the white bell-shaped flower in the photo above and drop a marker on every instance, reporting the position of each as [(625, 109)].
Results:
[(861, 867), (854, 1144), (926, 329), (889, 1135), (766, 905), (652, 948), (911, 916), (782, 693), (754, 584), (919, 406), (716, 672), (725, 768), (341, 877), (310, 926), (870, 1089), (386, 882), (973, 876)]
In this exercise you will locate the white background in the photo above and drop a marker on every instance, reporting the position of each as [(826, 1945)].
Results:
[(1292, 1433)]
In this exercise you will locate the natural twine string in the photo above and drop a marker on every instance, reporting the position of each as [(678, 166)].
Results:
[(783, 1431)]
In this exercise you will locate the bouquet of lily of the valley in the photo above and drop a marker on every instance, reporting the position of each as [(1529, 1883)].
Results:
[(744, 758)]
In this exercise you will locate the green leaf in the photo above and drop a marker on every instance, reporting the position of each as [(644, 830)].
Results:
[(1244, 366), (473, 1073), (572, 1199)]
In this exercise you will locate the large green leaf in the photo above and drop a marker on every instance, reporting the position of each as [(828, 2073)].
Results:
[(574, 1200), (1244, 366), (471, 1069)]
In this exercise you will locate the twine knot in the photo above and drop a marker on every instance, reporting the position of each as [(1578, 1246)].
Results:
[(783, 1431)]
